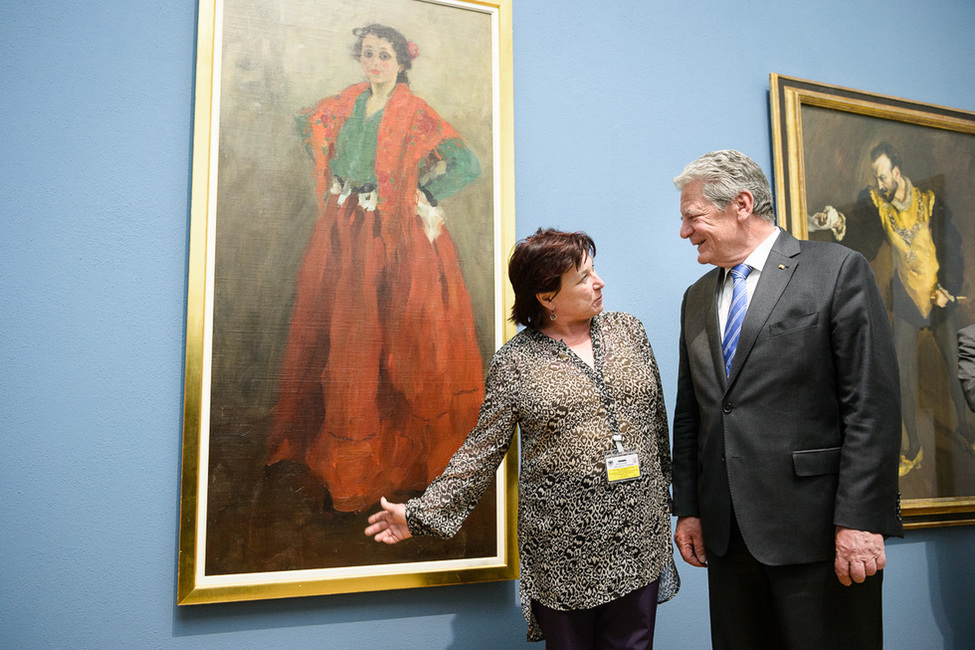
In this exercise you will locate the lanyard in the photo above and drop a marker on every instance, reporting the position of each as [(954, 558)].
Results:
[(618, 439)]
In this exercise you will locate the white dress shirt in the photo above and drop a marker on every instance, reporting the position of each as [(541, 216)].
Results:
[(756, 260)]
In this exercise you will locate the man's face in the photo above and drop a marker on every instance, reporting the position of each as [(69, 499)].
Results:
[(714, 232), (888, 178)]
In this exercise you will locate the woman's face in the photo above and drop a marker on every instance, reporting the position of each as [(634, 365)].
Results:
[(378, 60), (581, 295)]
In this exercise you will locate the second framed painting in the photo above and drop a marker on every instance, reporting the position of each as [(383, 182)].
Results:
[(892, 179), (352, 211)]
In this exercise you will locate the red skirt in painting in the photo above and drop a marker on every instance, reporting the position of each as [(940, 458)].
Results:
[(382, 377)]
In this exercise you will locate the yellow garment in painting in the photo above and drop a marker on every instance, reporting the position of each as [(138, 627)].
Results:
[(909, 232)]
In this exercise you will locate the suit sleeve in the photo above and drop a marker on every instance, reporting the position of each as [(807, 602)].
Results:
[(686, 428), (864, 231), (966, 363), (869, 398), (947, 243)]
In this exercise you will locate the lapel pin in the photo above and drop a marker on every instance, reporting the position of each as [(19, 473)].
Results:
[(781, 266)]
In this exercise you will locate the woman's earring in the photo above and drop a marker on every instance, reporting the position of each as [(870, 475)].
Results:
[(552, 315)]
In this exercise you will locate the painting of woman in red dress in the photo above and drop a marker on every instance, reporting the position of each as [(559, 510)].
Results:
[(382, 375)]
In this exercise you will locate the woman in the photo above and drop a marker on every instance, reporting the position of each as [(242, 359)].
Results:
[(382, 368), (584, 389)]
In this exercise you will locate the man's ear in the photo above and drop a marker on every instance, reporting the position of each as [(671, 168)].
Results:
[(744, 203)]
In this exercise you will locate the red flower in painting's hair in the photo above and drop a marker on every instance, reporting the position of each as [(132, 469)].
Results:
[(412, 48)]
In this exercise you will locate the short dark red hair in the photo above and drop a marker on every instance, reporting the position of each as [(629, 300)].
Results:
[(537, 265)]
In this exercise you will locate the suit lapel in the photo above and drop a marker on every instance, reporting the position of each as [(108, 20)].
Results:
[(778, 270), (713, 326)]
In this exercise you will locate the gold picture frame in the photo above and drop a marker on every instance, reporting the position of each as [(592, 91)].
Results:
[(830, 145), (250, 530)]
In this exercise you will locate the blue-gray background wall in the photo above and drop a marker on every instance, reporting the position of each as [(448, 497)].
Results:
[(611, 100)]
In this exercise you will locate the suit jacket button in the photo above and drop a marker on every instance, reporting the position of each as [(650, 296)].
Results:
[(727, 407)]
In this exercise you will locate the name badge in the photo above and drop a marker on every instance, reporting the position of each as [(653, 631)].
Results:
[(622, 467)]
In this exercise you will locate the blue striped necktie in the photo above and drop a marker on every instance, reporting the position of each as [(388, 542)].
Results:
[(739, 303)]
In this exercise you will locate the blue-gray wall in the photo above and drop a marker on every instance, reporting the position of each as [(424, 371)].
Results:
[(611, 99)]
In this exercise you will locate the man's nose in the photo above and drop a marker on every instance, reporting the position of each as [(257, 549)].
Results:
[(685, 230)]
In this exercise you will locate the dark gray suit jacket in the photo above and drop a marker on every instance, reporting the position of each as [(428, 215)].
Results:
[(966, 363), (805, 433)]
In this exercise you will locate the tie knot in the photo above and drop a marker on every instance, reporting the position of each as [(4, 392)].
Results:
[(741, 271)]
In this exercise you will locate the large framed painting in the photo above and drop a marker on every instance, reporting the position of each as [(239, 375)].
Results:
[(892, 179), (351, 218)]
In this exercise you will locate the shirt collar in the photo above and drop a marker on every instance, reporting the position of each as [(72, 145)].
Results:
[(908, 196), (757, 258)]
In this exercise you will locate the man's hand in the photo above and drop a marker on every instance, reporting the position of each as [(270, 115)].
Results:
[(940, 297), (858, 554), (689, 537), (828, 219)]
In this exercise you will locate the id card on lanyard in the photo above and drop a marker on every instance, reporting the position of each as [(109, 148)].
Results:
[(621, 464)]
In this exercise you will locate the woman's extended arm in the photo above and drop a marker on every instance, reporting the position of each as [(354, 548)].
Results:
[(450, 497)]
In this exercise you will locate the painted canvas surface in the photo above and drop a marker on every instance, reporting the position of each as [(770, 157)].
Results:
[(896, 186), (352, 290)]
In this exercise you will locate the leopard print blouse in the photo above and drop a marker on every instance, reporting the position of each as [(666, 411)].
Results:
[(582, 541)]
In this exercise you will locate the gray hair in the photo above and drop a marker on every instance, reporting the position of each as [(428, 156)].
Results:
[(726, 174)]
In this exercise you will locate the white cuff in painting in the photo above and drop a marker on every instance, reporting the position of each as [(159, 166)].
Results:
[(432, 218)]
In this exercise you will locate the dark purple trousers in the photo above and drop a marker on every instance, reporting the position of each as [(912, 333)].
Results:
[(623, 624)]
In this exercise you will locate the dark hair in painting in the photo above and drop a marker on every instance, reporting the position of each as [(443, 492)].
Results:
[(405, 51), (887, 149), (537, 265)]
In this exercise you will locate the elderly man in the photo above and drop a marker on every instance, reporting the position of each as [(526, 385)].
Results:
[(787, 425)]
